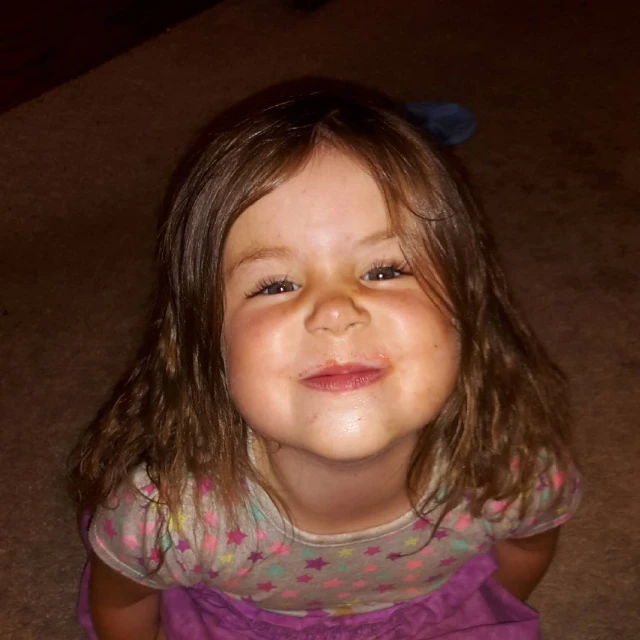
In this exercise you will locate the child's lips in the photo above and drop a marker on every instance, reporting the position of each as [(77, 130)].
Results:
[(346, 377)]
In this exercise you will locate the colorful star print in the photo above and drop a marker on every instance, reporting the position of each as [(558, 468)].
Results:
[(317, 563), (154, 555), (182, 545), (421, 525), (276, 571), (330, 584), (382, 588), (255, 560), (109, 528), (209, 543), (149, 489), (210, 518), (131, 542), (463, 522), (205, 486), (280, 549), (235, 537)]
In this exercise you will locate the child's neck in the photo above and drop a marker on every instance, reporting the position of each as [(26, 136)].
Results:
[(325, 497)]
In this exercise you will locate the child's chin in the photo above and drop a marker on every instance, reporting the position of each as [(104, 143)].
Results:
[(348, 449)]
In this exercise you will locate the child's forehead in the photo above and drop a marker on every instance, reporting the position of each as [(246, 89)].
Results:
[(329, 185), (331, 203)]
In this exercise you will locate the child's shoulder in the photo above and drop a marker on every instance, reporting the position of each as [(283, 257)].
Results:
[(140, 505), (139, 536), (555, 492)]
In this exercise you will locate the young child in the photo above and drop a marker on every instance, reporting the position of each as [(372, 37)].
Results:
[(339, 426)]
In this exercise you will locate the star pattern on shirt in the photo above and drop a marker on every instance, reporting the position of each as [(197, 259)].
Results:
[(340, 571), (332, 584), (463, 522), (255, 556), (276, 571), (421, 525), (205, 486), (146, 528), (183, 545), (280, 549), (177, 521), (149, 489), (210, 518), (209, 543), (154, 555), (343, 610), (109, 529), (235, 537), (382, 588), (316, 563)]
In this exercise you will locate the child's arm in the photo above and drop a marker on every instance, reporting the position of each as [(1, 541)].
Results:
[(122, 609), (522, 562)]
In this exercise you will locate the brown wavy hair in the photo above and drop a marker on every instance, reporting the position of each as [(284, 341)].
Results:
[(172, 413)]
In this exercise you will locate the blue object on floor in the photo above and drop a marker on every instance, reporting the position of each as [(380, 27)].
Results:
[(447, 122)]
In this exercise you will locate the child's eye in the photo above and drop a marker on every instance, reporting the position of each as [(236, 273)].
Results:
[(385, 272), (272, 287)]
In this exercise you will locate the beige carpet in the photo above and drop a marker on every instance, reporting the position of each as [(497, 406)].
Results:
[(555, 160)]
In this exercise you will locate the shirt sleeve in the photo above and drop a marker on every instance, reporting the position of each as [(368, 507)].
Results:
[(554, 500), (133, 533)]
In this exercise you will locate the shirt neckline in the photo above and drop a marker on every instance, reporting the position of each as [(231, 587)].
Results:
[(284, 526)]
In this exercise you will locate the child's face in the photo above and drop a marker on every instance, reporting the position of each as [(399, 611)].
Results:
[(313, 282)]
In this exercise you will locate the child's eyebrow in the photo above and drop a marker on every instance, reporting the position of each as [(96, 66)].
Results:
[(258, 253), (254, 254), (378, 236)]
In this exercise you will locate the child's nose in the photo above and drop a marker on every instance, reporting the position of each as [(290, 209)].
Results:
[(336, 312)]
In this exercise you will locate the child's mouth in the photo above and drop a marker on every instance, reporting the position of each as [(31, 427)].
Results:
[(346, 377)]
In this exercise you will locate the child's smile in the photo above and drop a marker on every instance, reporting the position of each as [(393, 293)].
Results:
[(349, 376), (331, 345)]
